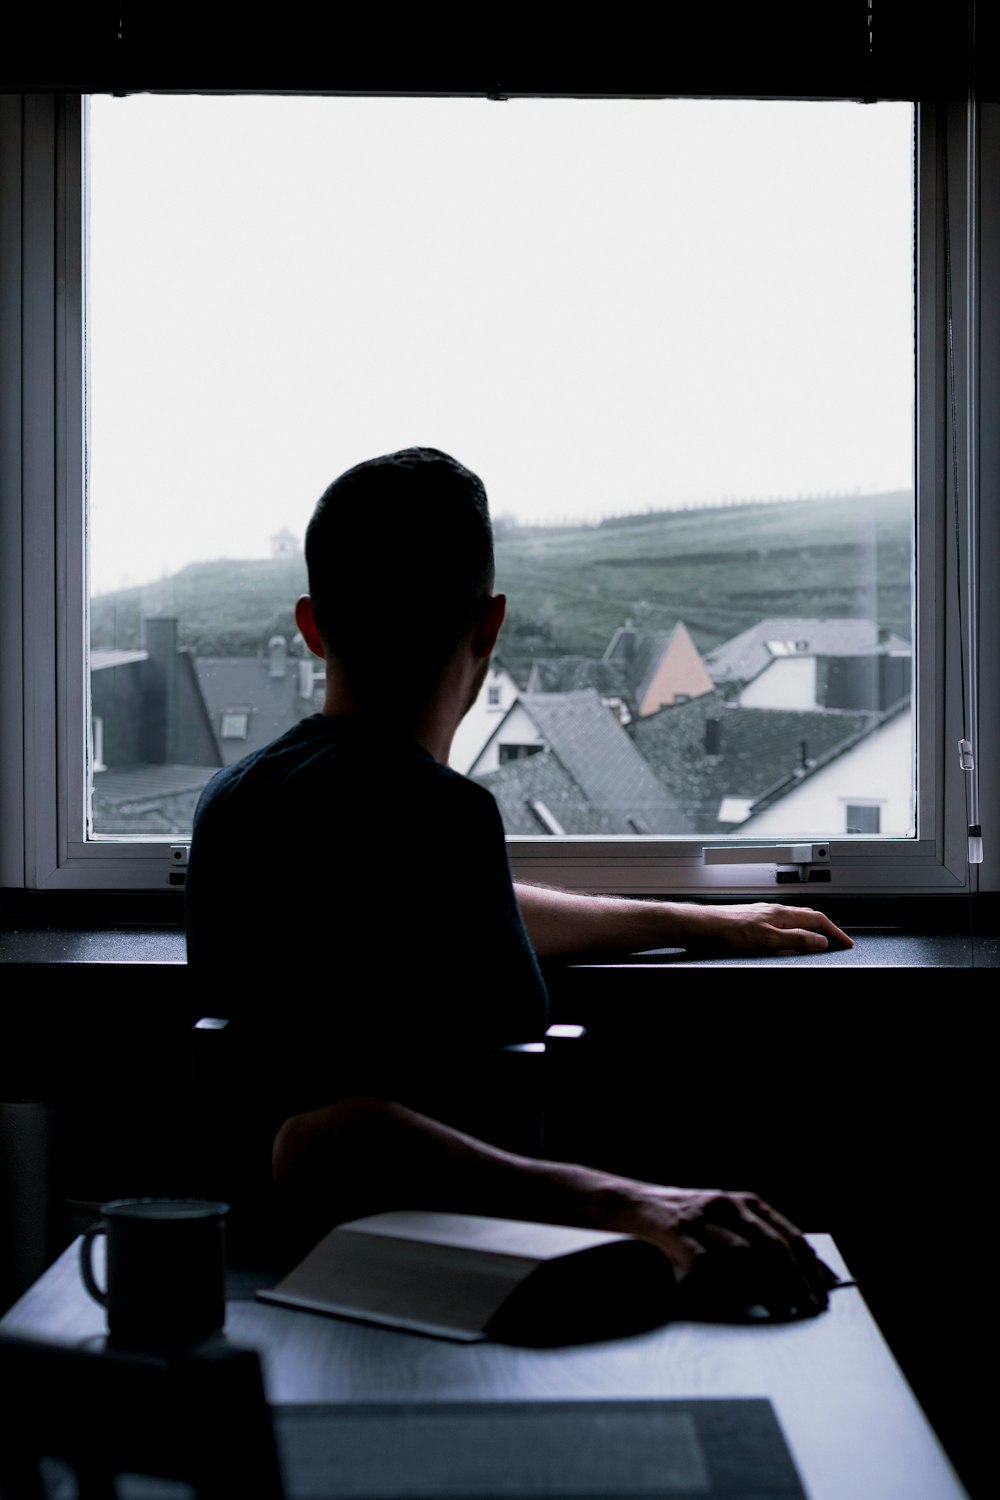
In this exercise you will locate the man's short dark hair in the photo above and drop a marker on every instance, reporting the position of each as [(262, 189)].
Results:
[(399, 554)]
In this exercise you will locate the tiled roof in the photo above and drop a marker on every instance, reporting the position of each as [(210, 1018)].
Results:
[(780, 788), (625, 671), (599, 779), (148, 799), (567, 674), (746, 655), (140, 783), (638, 653), (757, 749), (543, 779), (235, 682)]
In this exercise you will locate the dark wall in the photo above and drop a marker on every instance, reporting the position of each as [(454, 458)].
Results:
[(153, 709), (118, 698), (872, 683), (860, 1107), (857, 1103)]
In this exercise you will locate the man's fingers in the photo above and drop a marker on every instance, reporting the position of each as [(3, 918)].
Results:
[(736, 1280), (815, 1271), (818, 1276), (757, 1258), (789, 941), (813, 929)]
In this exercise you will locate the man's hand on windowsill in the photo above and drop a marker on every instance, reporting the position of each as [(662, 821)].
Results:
[(563, 923)]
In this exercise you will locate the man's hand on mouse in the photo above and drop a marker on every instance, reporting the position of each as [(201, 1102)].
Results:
[(734, 1256)]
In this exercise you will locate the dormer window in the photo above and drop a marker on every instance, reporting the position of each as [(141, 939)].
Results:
[(234, 724), (788, 648)]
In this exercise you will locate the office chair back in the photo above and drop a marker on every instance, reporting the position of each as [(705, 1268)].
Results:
[(199, 1418), (499, 1093)]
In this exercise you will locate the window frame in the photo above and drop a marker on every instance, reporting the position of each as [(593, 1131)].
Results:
[(44, 695)]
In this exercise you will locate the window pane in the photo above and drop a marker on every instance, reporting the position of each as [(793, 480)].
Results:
[(674, 337)]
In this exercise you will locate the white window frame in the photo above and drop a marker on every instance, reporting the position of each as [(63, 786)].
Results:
[(44, 696)]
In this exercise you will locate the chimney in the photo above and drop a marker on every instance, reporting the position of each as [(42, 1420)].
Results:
[(277, 652), (160, 690)]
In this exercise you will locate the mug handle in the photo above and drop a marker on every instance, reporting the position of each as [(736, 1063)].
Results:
[(87, 1265)]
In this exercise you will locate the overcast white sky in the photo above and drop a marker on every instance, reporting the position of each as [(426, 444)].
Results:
[(600, 306)]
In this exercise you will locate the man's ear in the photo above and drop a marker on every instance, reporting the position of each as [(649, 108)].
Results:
[(490, 619), (305, 619)]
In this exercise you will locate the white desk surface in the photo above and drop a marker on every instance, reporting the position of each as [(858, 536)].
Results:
[(854, 1428)]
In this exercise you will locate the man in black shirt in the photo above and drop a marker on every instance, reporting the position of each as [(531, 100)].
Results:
[(346, 880)]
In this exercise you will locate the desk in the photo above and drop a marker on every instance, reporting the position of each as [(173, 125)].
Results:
[(853, 1426)]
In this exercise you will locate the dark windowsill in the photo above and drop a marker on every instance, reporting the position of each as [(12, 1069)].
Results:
[(146, 928)]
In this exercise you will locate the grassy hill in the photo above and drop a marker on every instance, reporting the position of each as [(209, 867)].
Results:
[(719, 569), (223, 608)]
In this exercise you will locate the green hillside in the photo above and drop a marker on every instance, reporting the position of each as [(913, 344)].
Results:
[(719, 569), (223, 608)]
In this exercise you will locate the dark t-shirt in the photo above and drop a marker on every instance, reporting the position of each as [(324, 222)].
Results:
[(353, 899)]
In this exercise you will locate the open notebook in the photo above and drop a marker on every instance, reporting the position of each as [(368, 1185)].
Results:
[(468, 1277)]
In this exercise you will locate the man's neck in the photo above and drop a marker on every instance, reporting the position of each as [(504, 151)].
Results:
[(431, 724)]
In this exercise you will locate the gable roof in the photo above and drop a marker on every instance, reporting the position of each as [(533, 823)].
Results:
[(627, 670), (758, 749), (244, 682), (599, 779), (781, 788), (568, 674), (638, 653), (148, 799), (526, 790), (747, 654)]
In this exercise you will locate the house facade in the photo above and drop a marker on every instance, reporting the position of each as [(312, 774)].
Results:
[(495, 700)]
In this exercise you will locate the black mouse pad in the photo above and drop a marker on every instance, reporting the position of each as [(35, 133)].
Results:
[(552, 1450)]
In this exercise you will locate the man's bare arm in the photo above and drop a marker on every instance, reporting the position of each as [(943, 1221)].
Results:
[(729, 1251), (562, 923)]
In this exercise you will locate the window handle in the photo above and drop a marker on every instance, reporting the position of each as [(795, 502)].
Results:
[(794, 864), (766, 854)]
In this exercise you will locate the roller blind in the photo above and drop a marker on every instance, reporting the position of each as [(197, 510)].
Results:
[(854, 49)]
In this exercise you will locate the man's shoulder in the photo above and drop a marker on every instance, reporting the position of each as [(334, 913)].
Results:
[(322, 757)]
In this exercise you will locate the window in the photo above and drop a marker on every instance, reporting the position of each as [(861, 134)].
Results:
[(863, 817), (234, 724), (97, 741), (510, 753), (46, 782)]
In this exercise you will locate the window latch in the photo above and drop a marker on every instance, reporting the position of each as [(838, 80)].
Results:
[(967, 761), (177, 869), (794, 864)]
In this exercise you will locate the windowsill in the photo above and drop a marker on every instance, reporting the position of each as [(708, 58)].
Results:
[(874, 948), (142, 930)]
